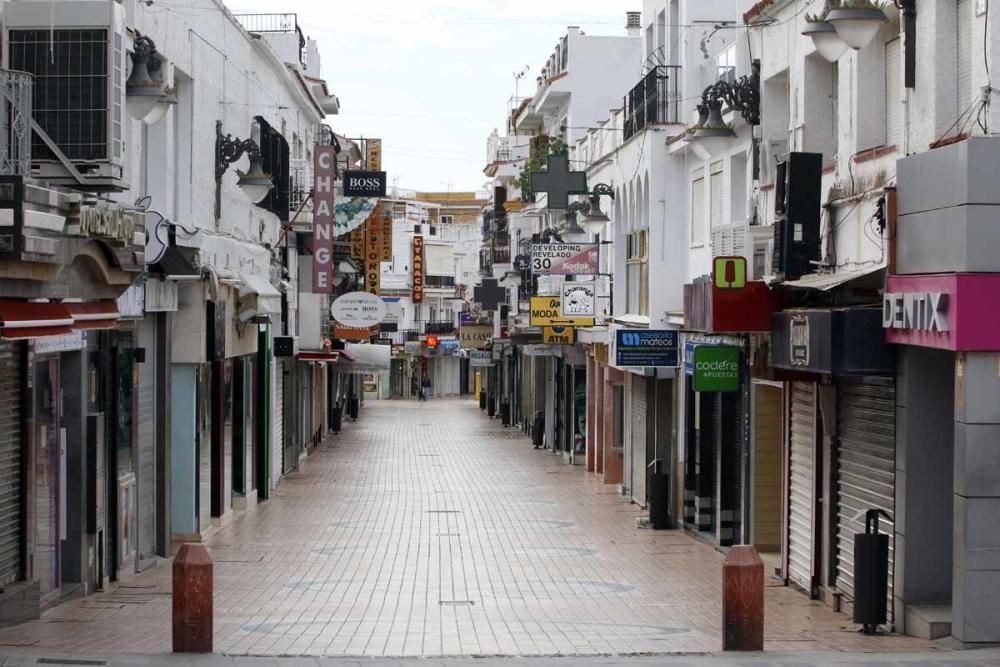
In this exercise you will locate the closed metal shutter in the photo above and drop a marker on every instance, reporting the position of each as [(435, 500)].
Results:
[(800, 497), (274, 442), (866, 467), (731, 472), (146, 424), (10, 461), (290, 419), (638, 440)]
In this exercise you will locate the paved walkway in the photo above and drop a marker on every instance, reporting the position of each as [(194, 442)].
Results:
[(426, 529)]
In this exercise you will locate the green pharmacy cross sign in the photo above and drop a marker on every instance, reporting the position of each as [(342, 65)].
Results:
[(558, 181), (716, 368)]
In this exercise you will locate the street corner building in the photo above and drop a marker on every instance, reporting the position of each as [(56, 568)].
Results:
[(794, 335), (152, 384)]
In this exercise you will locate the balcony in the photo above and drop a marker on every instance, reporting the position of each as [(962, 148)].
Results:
[(654, 101), (277, 24), (488, 257), (16, 89)]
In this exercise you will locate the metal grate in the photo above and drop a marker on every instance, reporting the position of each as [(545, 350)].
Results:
[(656, 99), (70, 96)]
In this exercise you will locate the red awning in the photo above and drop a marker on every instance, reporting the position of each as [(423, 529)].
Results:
[(318, 356), (97, 315), (20, 320)]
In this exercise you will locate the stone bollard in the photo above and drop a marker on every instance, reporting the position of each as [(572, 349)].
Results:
[(743, 600), (193, 600)]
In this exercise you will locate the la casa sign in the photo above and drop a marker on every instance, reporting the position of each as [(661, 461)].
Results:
[(916, 311)]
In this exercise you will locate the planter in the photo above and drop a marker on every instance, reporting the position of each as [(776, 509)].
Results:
[(857, 26), (826, 40)]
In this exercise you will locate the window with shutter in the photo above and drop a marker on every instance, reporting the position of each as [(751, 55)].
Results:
[(698, 208), (717, 193), (893, 94)]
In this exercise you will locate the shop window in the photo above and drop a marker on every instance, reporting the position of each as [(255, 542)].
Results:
[(637, 272)]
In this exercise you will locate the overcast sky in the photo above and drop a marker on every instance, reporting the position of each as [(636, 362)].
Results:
[(432, 77)]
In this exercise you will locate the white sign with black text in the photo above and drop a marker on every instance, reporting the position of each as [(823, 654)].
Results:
[(579, 299)]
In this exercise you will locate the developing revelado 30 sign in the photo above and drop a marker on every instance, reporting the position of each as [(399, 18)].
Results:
[(564, 259)]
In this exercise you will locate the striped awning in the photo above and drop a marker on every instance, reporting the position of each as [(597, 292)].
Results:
[(21, 320)]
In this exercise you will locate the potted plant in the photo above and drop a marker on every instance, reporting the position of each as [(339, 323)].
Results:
[(858, 21), (824, 35)]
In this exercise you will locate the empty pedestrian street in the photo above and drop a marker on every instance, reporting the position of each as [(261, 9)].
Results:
[(428, 529)]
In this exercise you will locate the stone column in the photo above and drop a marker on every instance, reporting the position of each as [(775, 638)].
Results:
[(976, 566)]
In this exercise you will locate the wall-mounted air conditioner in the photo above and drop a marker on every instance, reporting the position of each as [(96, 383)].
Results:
[(754, 242), (76, 51)]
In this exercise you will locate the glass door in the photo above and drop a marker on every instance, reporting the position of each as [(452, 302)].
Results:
[(48, 453)]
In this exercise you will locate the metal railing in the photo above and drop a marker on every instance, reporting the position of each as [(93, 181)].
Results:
[(16, 90), (656, 99), (299, 183), (275, 23)]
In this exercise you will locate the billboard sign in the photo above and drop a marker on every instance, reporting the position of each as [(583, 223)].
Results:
[(564, 259)]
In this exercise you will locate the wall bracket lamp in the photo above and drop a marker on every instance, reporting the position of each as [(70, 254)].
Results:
[(255, 184)]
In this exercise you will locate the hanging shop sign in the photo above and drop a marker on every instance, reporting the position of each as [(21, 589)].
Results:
[(449, 347), (373, 255), (729, 272), (157, 237), (132, 302), (546, 311), (579, 299), (475, 336), (564, 258), (358, 309), (558, 335), (358, 244), (324, 162), (385, 234), (354, 333), (364, 183), (161, 296), (373, 154), (412, 346), (648, 347), (839, 341), (480, 359), (716, 368), (418, 269)]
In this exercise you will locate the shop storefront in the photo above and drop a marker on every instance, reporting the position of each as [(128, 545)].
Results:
[(841, 457)]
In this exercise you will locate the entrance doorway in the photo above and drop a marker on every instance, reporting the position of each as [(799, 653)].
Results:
[(48, 460), (766, 505)]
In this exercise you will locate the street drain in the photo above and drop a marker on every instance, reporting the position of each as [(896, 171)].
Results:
[(70, 661), (456, 603)]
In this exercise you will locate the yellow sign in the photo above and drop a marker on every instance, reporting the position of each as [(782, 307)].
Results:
[(558, 335), (373, 155), (545, 312)]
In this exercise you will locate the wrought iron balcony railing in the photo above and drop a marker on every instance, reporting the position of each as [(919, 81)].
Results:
[(16, 90), (656, 99)]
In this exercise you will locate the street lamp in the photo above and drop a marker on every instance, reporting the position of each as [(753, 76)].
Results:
[(825, 38), (711, 135), (594, 219), (147, 99), (255, 184), (857, 25)]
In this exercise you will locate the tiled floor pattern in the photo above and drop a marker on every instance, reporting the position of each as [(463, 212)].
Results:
[(426, 529)]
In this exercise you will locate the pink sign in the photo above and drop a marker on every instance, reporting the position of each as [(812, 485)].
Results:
[(953, 311), (564, 258), (324, 160)]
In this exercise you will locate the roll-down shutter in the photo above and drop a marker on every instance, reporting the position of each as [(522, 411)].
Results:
[(866, 464), (10, 461), (801, 492), (638, 439)]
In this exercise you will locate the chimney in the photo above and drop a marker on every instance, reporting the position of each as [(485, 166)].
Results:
[(633, 23)]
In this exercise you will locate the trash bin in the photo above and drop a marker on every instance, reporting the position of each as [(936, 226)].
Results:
[(538, 430), (871, 574), (659, 497)]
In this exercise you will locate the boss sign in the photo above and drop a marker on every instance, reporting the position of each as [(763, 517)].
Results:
[(324, 160)]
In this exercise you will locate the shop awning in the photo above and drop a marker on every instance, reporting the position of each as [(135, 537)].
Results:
[(175, 266), (98, 315), (268, 296), (827, 281), (20, 320), (359, 358)]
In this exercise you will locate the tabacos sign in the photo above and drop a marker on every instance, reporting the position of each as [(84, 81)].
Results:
[(716, 368), (418, 269)]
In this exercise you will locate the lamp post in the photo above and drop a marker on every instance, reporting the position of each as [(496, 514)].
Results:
[(711, 134), (147, 99), (255, 184), (838, 28)]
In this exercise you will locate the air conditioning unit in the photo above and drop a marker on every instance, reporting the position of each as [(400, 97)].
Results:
[(76, 51), (754, 242)]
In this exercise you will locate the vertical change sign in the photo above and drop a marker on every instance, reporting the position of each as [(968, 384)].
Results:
[(323, 170)]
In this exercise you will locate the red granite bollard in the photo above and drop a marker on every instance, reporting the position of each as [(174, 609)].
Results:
[(743, 600), (193, 600)]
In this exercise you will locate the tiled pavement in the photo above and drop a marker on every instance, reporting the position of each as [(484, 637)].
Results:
[(426, 529)]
